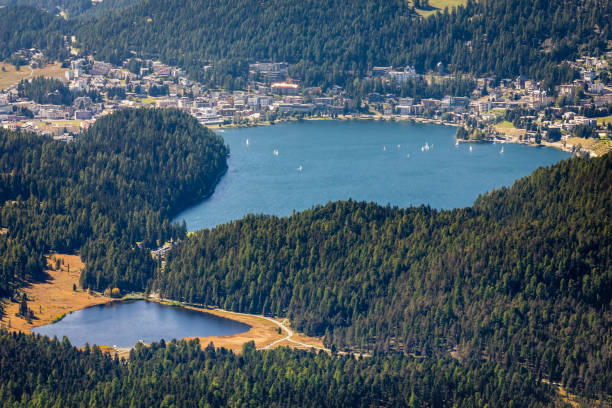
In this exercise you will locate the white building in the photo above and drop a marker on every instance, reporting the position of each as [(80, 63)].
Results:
[(402, 76)]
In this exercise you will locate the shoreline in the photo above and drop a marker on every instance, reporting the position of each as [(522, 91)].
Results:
[(569, 148), (51, 300), (266, 332)]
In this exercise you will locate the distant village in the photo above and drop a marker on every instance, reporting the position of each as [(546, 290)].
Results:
[(507, 110)]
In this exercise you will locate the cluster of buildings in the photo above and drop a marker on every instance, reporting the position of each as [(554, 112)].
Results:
[(100, 87)]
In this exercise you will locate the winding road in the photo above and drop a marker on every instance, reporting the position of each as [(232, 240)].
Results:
[(288, 337), (287, 330)]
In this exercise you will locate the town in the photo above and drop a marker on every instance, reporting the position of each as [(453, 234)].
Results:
[(575, 117)]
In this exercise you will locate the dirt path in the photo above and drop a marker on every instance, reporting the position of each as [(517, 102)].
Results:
[(289, 333), (289, 338)]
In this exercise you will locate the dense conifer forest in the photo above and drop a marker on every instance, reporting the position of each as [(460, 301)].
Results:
[(108, 195), (45, 90), (331, 41), (522, 277), (472, 307), (25, 28), (181, 374), (468, 307), (72, 8)]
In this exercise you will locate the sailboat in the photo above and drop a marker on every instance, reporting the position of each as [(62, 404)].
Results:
[(299, 168), (247, 142), (275, 152), (502, 150), (470, 149)]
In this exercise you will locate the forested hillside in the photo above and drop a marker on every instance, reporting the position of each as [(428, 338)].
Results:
[(72, 8), (331, 41), (522, 277), (115, 186), (26, 27), (181, 374)]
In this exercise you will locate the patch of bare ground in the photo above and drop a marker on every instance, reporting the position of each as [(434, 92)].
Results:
[(55, 297), (10, 76), (266, 332), (576, 401), (52, 298)]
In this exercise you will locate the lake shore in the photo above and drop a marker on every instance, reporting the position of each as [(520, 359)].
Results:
[(54, 298), (266, 332), (570, 147)]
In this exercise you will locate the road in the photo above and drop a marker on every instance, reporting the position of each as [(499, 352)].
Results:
[(288, 337), (287, 330)]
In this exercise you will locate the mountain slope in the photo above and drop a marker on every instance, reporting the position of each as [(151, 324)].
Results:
[(180, 374), (72, 8), (332, 41), (522, 277), (115, 186)]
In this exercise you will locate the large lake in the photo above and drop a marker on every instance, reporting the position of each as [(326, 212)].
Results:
[(123, 324), (293, 166)]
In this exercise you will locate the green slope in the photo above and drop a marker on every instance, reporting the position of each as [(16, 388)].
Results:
[(522, 277), (118, 183)]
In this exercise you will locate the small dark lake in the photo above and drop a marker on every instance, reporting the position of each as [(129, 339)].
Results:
[(123, 324)]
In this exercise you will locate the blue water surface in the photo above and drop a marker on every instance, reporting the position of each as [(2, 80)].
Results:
[(293, 166), (123, 324)]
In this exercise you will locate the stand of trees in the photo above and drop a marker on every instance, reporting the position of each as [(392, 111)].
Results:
[(181, 374), (522, 277), (110, 195), (415, 88), (45, 90), (26, 27), (72, 8), (504, 38), (333, 41)]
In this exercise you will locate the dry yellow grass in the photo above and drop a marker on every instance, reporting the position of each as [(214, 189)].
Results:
[(507, 128), (54, 297), (10, 76), (439, 5), (263, 332), (597, 146), (604, 119), (313, 341)]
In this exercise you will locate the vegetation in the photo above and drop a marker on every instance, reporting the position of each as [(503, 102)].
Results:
[(25, 28), (502, 38), (12, 76), (415, 88), (72, 8), (520, 278), (117, 184), (181, 374), (515, 288), (45, 90)]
